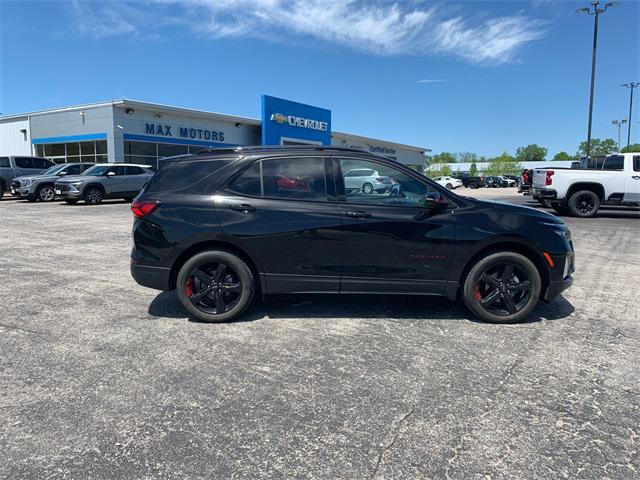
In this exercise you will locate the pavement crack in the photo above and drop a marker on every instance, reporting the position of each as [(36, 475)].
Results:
[(390, 439)]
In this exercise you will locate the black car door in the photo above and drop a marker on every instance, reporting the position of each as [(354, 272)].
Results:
[(283, 211), (392, 241)]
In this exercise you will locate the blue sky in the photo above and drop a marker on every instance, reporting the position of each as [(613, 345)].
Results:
[(452, 76)]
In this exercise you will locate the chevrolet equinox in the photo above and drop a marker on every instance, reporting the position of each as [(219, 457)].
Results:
[(223, 224)]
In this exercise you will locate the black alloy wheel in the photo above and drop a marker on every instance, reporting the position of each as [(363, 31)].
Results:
[(503, 287), (215, 286), (473, 185), (584, 203), (449, 186), (93, 196), (46, 193)]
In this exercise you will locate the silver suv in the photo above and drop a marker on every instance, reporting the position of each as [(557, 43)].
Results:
[(104, 181), (40, 187), (12, 167)]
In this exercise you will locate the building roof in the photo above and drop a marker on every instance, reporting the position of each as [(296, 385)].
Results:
[(126, 103)]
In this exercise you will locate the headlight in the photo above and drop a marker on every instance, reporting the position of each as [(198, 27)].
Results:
[(559, 228), (26, 183)]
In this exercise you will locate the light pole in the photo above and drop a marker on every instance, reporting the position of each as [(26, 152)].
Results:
[(630, 86), (618, 123), (596, 12)]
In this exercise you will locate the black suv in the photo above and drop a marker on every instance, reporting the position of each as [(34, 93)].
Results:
[(220, 225)]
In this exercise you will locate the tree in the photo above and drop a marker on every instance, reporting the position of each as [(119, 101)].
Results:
[(598, 147), (563, 156), (437, 170), (466, 157), (634, 147), (531, 153), (473, 171), (503, 164), (444, 157)]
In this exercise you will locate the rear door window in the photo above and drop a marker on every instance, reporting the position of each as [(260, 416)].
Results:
[(614, 162), (249, 182), (42, 163), (24, 162)]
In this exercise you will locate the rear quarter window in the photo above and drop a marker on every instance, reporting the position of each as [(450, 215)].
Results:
[(182, 174), (4, 162), (636, 163)]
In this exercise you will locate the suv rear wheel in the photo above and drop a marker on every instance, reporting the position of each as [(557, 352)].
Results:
[(503, 287), (367, 188), (215, 286), (584, 203), (93, 196)]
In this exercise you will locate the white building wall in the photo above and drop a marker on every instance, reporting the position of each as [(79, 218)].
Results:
[(15, 137), (403, 154)]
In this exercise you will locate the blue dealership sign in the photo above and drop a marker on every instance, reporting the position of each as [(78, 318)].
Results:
[(284, 120)]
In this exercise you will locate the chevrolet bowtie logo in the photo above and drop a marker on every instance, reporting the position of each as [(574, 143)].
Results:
[(280, 118)]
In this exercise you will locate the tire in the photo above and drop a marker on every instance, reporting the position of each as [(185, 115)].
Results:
[(367, 188), (488, 283), (235, 285), (473, 185), (2, 189), (449, 186), (46, 193), (70, 201), (584, 204), (93, 196)]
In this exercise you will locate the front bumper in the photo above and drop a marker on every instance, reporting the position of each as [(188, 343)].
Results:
[(555, 288)]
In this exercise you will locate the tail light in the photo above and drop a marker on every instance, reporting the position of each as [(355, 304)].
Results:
[(142, 208), (549, 180), (525, 176)]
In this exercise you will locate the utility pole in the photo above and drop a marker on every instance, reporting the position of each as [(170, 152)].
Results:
[(596, 12), (619, 123), (631, 86)]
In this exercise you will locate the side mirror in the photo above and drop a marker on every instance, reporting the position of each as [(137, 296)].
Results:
[(111, 174), (62, 174), (435, 201)]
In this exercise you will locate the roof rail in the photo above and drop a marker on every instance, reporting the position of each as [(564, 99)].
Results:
[(251, 148)]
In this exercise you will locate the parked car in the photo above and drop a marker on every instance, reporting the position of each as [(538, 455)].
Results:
[(450, 183), (513, 180), (16, 166), (41, 186), (470, 181), (218, 227), (104, 181), (366, 180), (495, 182), (610, 180)]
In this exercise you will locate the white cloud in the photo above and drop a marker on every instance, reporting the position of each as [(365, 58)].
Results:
[(377, 27), (432, 80)]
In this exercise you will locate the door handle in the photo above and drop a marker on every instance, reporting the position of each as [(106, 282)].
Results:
[(358, 215), (636, 177), (243, 207)]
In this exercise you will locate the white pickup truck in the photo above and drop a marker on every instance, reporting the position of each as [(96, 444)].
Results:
[(604, 180)]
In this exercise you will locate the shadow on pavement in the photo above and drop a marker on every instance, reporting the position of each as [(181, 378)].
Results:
[(167, 305)]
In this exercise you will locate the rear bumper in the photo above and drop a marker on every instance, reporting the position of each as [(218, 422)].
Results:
[(151, 277), (547, 193)]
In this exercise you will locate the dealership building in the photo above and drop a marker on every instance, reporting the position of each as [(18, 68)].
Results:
[(139, 132)]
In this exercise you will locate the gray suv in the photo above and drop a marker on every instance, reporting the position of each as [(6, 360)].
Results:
[(40, 187), (104, 181), (11, 167)]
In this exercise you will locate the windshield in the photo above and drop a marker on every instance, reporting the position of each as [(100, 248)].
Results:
[(53, 170), (97, 170)]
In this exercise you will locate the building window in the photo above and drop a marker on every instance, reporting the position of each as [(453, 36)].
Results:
[(148, 153), (73, 152)]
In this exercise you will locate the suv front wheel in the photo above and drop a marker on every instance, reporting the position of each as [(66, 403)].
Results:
[(93, 196), (503, 287), (215, 286)]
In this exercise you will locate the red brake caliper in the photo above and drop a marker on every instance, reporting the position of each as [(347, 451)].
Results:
[(189, 287), (478, 294)]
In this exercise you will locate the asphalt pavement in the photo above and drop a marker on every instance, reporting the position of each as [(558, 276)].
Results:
[(102, 378)]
